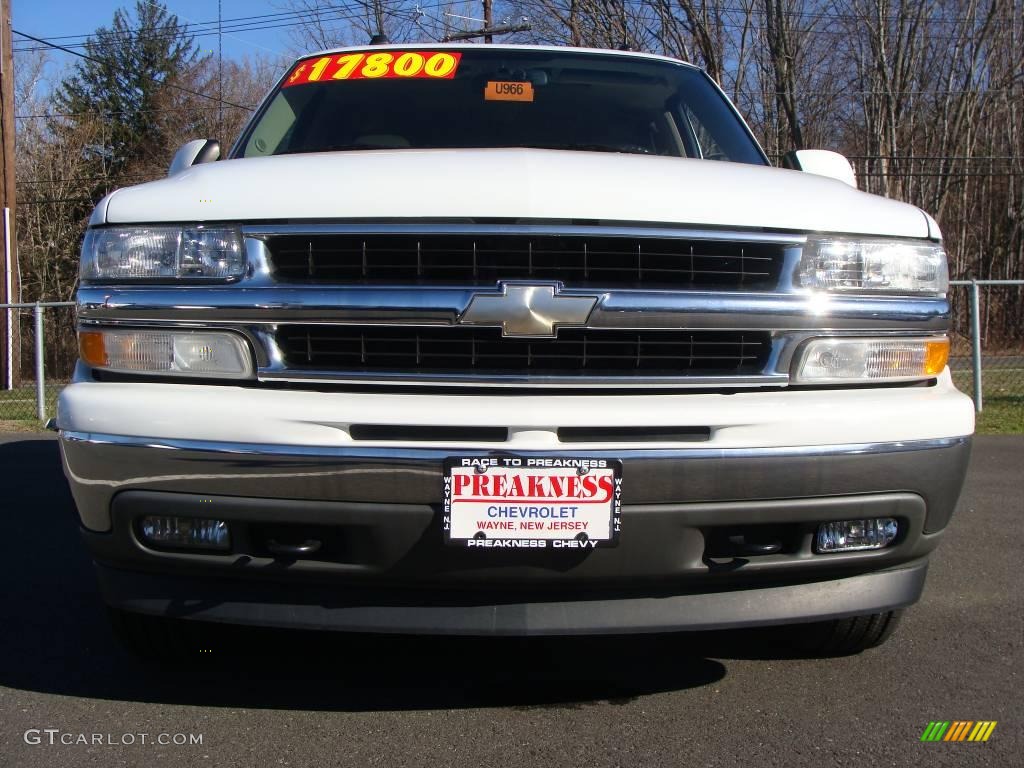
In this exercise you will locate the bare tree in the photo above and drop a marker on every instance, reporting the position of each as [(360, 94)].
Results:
[(593, 23), (53, 210), (332, 24)]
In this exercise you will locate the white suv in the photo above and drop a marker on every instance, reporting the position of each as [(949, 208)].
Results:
[(440, 302)]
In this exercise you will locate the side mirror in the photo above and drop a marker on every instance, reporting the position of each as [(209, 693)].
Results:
[(194, 153), (823, 163)]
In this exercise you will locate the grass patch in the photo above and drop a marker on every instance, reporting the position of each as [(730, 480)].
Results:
[(22, 425), (18, 407), (19, 393), (1002, 415), (1002, 399), (18, 404), (997, 381)]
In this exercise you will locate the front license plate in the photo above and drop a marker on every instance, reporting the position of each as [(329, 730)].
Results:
[(532, 502)]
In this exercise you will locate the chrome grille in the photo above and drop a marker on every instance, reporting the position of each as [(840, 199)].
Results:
[(483, 351), (625, 261)]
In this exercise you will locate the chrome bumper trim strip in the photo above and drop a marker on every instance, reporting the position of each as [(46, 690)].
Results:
[(550, 382), (454, 228), (422, 305), (435, 454)]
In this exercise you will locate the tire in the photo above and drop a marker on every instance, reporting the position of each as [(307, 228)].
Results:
[(157, 637), (844, 637)]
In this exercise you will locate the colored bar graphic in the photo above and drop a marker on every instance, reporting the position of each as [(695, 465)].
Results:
[(989, 726), (935, 730), (958, 730)]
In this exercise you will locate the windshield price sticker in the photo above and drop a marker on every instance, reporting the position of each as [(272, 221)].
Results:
[(378, 65), (507, 91), (532, 502)]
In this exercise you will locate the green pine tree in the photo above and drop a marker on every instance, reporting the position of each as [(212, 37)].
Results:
[(128, 65)]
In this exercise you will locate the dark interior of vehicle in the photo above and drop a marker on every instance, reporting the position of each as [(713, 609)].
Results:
[(596, 103)]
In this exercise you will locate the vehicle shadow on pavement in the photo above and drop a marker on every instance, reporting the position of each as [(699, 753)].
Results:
[(57, 639)]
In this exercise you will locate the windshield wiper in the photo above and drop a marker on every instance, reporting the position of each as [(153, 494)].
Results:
[(336, 148), (592, 148), (625, 150)]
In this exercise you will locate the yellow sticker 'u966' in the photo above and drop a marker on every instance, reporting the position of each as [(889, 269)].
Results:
[(498, 90), (376, 65)]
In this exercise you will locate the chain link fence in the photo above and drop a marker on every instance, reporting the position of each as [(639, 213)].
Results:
[(42, 337), (987, 359)]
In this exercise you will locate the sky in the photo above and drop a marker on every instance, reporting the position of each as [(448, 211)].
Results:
[(53, 19), (261, 27)]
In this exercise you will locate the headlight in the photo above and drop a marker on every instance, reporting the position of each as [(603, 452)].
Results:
[(208, 354), (893, 266), (162, 253), (848, 361)]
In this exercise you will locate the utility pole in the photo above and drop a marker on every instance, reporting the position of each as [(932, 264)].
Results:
[(10, 338), (489, 31), (488, 20), (378, 15), (220, 73)]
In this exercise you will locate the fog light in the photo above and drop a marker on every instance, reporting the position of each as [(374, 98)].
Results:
[(208, 354), (185, 532), (853, 535)]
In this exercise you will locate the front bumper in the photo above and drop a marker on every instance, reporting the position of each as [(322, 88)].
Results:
[(611, 612), (377, 507), (388, 570)]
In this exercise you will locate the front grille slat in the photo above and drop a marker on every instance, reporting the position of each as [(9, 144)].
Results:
[(482, 351), (575, 260)]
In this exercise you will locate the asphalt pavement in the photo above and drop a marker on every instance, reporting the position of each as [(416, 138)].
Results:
[(306, 699)]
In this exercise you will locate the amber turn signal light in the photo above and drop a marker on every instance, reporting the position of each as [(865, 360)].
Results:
[(91, 348), (936, 355)]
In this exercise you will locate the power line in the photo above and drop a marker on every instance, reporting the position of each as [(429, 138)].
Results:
[(93, 59), (821, 14), (112, 113), (872, 22), (487, 32), (157, 36), (344, 13), (341, 13), (310, 14), (56, 200), (196, 29), (264, 22), (933, 158), (212, 23), (943, 174), (219, 27), (842, 91), (85, 180)]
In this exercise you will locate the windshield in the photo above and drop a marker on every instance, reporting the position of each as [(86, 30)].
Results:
[(421, 99)]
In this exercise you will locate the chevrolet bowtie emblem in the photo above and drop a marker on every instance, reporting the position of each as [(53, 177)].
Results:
[(528, 310)]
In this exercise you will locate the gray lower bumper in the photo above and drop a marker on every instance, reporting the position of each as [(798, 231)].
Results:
[(385, 568), (408, 612)]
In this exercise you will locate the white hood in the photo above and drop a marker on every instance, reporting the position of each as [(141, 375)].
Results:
[(511, 184)]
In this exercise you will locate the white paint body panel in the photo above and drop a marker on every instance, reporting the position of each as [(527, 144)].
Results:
[(742, 420), (513, 184)]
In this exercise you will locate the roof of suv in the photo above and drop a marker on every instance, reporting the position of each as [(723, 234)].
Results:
[(496, 46)]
